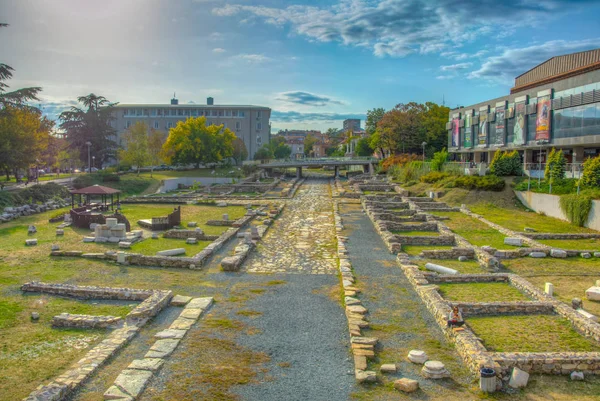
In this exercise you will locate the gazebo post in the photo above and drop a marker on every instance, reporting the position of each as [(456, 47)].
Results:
[(72, 201)]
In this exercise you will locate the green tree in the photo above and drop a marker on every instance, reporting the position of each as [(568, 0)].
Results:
[(279, 148), (591, 173), (264, 153), (363, 148), (135, 142), (240, 153), (434, 122), (401, 129), (92, 124), (309, 142), (373, 118), (191, 141), (156, 140), (19, 97)]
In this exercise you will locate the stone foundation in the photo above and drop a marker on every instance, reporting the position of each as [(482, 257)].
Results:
[(85, 321)]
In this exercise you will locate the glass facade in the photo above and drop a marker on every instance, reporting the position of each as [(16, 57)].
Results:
[(576, 121)]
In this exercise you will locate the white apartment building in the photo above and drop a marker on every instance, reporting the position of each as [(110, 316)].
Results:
[(249, 123)]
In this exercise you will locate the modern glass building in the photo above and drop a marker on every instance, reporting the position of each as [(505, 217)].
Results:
[(554, 105)]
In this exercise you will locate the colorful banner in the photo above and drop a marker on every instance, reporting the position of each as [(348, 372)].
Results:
[(455, 132), (468, 140), (497, 135), (542, 122), (483, 129), (520, 128)]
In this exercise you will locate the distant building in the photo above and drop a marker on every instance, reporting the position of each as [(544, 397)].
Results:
[(250, 123), (297, 147), (351, 124), (554, 105)]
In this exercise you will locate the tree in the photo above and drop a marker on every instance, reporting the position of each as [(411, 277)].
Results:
[(363, 148), (434, 125), (135, 142), (191, 141), (309, 142), (373, 118), (401, 128), (90, 124), (279, 148), (19, 97), (264, 153), (156, 140), (240, 153)]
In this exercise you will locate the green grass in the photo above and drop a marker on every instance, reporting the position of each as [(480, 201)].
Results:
[(481, 292), (468, 267), (416, 233), (568, 287), (589, 244), (517, 220), (203, 172), (415, 250), (474, 231), (531, 333), (552, 266)]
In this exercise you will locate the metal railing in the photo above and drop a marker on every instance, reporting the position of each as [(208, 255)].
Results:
[(536, 170), (322, 160)]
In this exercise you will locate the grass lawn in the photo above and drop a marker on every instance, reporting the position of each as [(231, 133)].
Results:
[(552, 266), (588, 244), (202, 172), (468, 267), (151, 246), (517, 220), (568, 287), (416, 233), (415, 250), (474, 231), (531, 333), (481, 292)]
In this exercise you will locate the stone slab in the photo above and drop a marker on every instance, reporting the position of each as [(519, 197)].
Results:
[(558, 253), (191, 313), (388, 368), (171, 333), (171, 252), (588, 315), (593, 293), (200, 303), (180, 300), (417, 356), (406, 385), (162, 348), (365, 376), (150, 364), (182, 324), (518, 378), (357, 309), (114, 393), (537, 255), (513, 241), (133, 381)]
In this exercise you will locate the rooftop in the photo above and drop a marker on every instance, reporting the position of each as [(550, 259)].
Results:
[(191, 105)]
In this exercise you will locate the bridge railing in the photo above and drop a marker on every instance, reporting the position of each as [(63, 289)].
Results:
[(323, 160)]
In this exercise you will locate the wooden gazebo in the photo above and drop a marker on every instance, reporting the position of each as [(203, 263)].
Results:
[(95, 191)]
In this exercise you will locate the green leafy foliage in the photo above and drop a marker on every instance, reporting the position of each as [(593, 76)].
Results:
[(439, 159), (576, 208), (484, 183), (591, 172), (33, 194), (434, 176), (506, 164), (555, 166)]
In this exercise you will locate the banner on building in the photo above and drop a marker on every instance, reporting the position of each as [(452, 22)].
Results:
[(483, 129), (455, 132), (468, 140), (498, 133), (542, 123), (520, 128)]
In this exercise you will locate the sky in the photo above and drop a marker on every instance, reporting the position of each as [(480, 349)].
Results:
[(314, 63)]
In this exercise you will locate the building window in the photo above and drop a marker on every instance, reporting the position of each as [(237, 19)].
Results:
[(227, 113), (238, 125), (214, 113), (153, 112), (146, 113), (155, 124), (258, 126), (224, 125), (221, 113), (160, 112), (242, 113), (194, 112), (127, 124), (258, 114), (180, 112), (258, 140), (234, 113), (138, 112), (173, 112)]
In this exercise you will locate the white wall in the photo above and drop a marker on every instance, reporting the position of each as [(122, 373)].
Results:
[(550, 206)]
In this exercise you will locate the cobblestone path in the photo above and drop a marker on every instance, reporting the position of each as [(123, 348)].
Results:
[(302, 240)]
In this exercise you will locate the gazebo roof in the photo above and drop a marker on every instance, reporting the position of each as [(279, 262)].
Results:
[(96, 190)]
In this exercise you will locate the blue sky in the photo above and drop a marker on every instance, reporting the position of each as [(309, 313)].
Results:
[(313, 62)]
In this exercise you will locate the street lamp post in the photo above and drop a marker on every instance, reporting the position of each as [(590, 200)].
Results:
[(94, 161), (423, 145), (89, 144)]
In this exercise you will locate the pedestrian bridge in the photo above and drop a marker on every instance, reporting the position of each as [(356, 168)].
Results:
[(368, 163)]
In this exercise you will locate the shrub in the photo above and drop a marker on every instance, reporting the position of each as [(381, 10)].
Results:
[(555, 166), (108, 177), (485, 183), (576, 208), (438, 160), (398, 160), (434, 176), (248, 169), (591, 172), (411, 171), (506, 163), (83, 181)]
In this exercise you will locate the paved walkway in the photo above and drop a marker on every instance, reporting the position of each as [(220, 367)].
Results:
[(302, 239)]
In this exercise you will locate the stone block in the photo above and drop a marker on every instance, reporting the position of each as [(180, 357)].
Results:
[(587, 314), (558, 253), (360, 362), (180, 300), (434, 370), (162, 348), (513, 241), (518, 378), (121, 257), (577, 376), (115, 393), (192, 224), (60, 231), (225, 217), (54, 247), (200, 303), (356, 309), (171, 252), (114, 240), (585, 255), (182, 324), (597, 254), (132, 381), (406, 385), (31, 242), (365, 376), (549, 289), (150, 364), (221, 204), (462, 258), (388, 368), (111, 222), (93, 226), (191, 313), (124, 244), (530, 230), (154, 235), (417, 356), (191, 241), (593, 293), (171, 333), (537, 255)]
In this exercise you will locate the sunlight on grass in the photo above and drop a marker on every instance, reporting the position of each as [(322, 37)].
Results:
[(481, 292)]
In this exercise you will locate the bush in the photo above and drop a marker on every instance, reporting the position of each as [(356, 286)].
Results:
[(576, 208), (83, 181), (108, 177), (411, 171), (485, 183), (556, 166), (248, 169), (438, 160), (434, 176), (591, 173), (506, 163), (397, 160)]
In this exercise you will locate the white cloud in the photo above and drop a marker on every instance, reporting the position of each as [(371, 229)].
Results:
[(400, 27), (441, 77), (218, 50), (456, 67), (252, 58), (513, 62)]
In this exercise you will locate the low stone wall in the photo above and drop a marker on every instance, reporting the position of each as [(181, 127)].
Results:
[(555, 363), (423, 240), (387, 205), (559, 235), (394, 217), (85, 321), (504, 308), (466, 278), (87, 292), (453, 253), (10, 213), (185, 234), (426, 226), (222, 223)]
